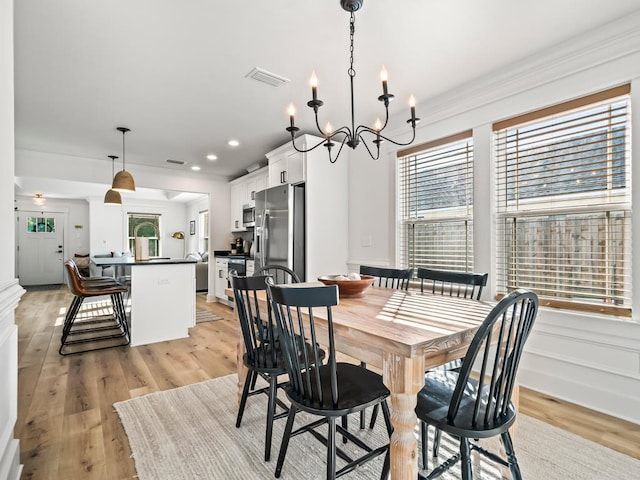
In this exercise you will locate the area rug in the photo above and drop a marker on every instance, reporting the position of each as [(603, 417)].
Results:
[(190, 433), (204, 316)]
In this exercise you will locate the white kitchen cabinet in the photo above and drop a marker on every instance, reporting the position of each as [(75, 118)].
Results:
[(238, 199), (243, 192), (220, 280), (287, 165)]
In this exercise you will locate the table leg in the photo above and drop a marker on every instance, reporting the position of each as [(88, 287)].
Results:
[(404, 377)]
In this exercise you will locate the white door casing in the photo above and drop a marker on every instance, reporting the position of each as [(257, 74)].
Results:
[(40, 252)]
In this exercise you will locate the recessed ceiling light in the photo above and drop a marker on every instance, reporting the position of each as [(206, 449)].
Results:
[(212, 157), (234, 143), (195, 168)]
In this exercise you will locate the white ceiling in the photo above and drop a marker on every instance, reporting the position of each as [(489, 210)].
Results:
[(174, 72)]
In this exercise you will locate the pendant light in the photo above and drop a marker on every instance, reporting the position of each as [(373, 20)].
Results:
[(112, 197), (123, 181)]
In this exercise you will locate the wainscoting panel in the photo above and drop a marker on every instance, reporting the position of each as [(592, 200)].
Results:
[(589, 360), (10, 294)]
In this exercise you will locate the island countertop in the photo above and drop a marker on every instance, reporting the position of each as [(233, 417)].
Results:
[(115, 261)]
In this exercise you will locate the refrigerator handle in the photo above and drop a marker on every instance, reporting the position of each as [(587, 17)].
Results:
[(263, 230)]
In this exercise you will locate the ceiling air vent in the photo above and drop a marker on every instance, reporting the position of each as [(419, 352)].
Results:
[(176, 162), (266, 77)]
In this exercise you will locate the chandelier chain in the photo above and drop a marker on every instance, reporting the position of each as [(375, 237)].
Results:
[(352, 29)]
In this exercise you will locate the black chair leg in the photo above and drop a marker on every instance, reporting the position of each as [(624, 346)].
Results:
[(245, 394), (465, 459), (511, 456), (362, 412), (436, 441), (387, 417), (331, 448), (273, 389), (345, 425), (424, 445), (286, 436), (386, 466), (374, 416)]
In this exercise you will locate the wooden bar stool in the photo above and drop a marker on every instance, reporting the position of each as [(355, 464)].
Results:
[(99, 331)]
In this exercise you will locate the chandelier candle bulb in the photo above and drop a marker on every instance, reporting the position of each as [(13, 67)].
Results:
[(412, 104), (384, 77), (292, 114), (314, 86), (328, 129)]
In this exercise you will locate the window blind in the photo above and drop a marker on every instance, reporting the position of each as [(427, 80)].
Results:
[(564, 203), (435, 203)]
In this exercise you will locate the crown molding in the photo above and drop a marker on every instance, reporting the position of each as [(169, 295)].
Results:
[(613, 41)]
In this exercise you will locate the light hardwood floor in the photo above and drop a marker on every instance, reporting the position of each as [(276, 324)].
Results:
[(69, 430)]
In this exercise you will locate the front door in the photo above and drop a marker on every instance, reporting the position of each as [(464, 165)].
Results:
[(40, 247)]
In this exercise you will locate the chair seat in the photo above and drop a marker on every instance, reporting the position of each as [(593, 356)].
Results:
[(433, 407), (358, 388)]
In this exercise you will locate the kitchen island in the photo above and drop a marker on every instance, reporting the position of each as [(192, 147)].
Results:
[(162, 296)]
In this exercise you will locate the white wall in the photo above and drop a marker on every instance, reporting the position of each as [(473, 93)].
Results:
[(588, 359), (30, 163), (10, 291), (109, 227), (193, 213), (76, 235)]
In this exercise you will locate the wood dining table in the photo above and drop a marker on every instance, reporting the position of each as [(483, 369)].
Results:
[(403, 333)]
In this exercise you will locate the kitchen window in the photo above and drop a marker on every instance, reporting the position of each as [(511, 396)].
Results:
[(435, 187), (564, 203), (145, 225)]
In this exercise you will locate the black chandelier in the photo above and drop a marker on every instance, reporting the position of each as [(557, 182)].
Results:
[(352, 136)]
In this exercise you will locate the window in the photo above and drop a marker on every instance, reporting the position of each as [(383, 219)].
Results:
[(203, 234), (145, 225), (41, 224), (564, 203), (436, 204)]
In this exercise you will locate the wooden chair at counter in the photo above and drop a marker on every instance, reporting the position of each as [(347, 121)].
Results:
[(329, 391), (452, 284), (475, 403), (279, 273), (94, 329)]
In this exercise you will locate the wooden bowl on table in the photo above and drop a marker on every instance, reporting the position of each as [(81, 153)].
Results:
[(349, 288)]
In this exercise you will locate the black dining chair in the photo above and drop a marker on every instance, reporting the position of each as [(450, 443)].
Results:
[(263, 356), (279, 273), (453, 284), (397, 278), (475, 403), (329, 391)]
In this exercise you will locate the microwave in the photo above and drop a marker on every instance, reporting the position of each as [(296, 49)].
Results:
[(248, 216)]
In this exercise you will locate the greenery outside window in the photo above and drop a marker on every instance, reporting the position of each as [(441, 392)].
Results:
[(435, 204), (145, 225), (564, 203)]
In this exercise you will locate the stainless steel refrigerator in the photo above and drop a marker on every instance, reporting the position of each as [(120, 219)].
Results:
[(279, 233)]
